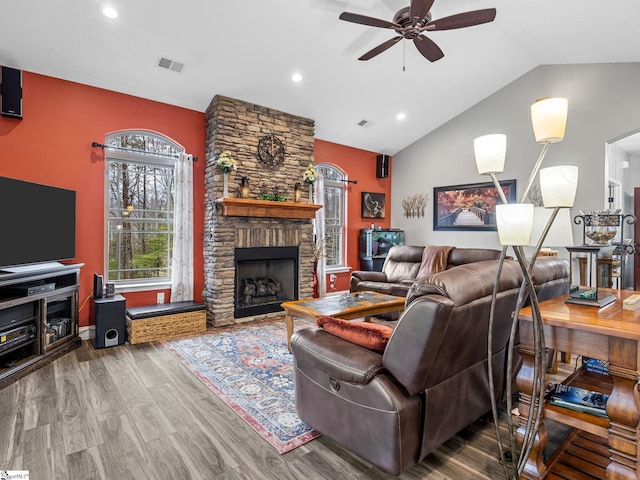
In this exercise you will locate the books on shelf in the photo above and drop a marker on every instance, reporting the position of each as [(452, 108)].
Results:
[(596, 366), (579, 399)]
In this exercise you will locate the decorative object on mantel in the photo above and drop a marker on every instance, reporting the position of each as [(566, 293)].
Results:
[(310, 175), (227, 164), (244, 187), (274, 196), (414, 205), (271, 150), (558, 187), (297, 192)]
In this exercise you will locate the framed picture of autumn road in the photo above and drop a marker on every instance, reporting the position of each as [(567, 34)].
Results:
[(469, 207)]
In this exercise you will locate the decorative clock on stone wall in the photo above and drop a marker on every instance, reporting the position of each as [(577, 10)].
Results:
[(271, 150)]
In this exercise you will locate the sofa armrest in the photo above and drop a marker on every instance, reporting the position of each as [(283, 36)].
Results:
[(420, 288), (338, 358), (365, 276)]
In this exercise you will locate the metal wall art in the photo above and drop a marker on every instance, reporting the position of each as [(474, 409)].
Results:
[(414, 205)]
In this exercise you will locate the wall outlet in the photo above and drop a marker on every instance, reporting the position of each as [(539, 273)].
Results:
[(332, 277), (160, 298)]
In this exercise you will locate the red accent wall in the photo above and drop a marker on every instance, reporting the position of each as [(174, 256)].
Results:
[(358, 165), (52, 145)]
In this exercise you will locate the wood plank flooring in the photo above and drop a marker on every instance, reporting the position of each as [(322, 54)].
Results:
[(134, 412)]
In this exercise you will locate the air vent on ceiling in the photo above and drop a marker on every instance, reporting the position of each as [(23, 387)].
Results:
[(363, 123), (169, 64)]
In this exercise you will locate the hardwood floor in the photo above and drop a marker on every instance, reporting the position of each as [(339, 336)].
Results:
[(134, 412)]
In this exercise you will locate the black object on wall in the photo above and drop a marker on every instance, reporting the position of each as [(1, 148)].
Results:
[(109, 316), (382, 166), (11, 92)]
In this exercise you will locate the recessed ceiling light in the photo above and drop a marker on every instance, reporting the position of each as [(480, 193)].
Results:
[(296, 77), (108, 10), (401, 116)]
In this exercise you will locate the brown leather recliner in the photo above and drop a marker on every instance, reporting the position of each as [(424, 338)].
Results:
[(393, 409)]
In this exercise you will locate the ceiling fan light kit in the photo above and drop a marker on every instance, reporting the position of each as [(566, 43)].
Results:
[(411, 22)]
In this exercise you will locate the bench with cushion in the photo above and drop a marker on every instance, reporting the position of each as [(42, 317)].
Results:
[(165, 320)]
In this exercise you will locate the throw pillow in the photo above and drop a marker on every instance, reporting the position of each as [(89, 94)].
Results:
[(366, 334)]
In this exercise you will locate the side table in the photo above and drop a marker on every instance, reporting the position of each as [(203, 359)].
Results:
[(611, 334)]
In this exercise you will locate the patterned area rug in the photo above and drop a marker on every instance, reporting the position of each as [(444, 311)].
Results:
[(250, 368)]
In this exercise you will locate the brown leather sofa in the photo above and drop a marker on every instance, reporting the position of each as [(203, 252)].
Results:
[(394, 408), (403, 264)]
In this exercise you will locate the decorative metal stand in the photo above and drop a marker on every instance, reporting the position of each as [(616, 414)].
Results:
[(600, 227)]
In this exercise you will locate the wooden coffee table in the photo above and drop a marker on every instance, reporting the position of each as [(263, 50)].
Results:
[(365, 304)]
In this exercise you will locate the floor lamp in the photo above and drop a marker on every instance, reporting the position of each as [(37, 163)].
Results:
[(514, 224)]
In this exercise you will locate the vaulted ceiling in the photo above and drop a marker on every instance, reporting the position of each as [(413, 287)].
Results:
[(248, 49)]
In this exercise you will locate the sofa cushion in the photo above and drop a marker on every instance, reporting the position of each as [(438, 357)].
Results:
[(461, 256), (402, 262), (367, 335)]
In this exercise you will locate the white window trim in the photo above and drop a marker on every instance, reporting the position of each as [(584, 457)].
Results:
[(123, 286)]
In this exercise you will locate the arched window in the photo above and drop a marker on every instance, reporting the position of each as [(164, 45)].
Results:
[(139, 193), (334, 208)]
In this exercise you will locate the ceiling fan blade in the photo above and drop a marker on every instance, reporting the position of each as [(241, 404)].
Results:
[(370, 21), (461, 20), (380, 48), (419, 10), (428, 48)]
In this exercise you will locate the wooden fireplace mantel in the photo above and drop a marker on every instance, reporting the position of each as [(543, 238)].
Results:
[(246, 207)]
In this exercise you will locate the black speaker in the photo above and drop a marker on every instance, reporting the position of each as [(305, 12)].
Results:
[(382, 166), (11, 92), (109, 316), (97, 285)]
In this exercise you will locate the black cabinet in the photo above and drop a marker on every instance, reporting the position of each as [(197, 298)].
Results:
[(374, 244), (38, 318)]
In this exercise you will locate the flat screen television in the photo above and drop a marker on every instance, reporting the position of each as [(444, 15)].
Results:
[(37, 223)]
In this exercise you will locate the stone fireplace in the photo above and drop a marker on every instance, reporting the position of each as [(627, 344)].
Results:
[(269, 228), (264, 278)]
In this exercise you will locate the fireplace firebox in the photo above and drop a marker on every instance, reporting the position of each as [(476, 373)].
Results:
[(264, 278)]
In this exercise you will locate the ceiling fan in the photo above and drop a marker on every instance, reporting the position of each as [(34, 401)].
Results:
[(410, 23)]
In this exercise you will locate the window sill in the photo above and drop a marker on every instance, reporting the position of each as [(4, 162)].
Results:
[(338, 270), (142, 287)]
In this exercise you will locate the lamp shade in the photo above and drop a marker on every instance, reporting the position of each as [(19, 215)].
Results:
[(558, 186), (560, 233), (549, 119), (514, 222), (490, 151)]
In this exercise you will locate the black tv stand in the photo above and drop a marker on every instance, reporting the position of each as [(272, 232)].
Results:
[(36, 327)]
